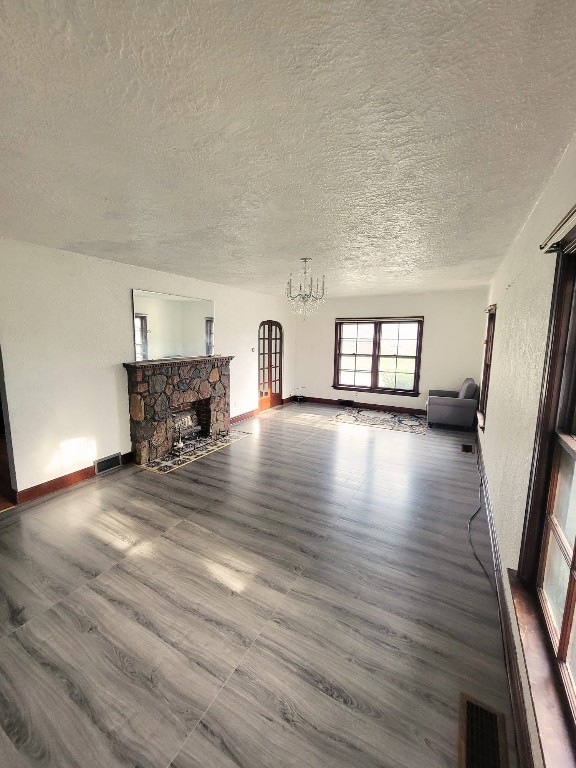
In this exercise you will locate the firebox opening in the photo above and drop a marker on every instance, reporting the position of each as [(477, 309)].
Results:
[(190, 415)]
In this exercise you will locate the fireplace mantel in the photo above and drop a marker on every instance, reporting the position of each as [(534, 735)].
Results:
[(179, 361), (159, 388)]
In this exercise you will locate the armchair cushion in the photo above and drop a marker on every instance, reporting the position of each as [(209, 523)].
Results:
[(468, 388)]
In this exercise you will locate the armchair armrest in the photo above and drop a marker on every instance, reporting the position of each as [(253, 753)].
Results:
[(463, 403), (442, 393)]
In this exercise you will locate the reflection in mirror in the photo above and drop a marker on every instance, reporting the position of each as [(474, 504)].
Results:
[(167, 326)]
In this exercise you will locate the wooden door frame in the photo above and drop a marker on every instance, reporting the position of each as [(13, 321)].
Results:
[(278, 395)]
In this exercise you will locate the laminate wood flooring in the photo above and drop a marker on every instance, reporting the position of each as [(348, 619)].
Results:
[(306, 597)]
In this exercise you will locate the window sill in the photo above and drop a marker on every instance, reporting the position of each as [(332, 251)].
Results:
[(377, 391), (554, 728)]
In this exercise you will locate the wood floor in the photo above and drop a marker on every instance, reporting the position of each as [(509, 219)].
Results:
[(306, 597)]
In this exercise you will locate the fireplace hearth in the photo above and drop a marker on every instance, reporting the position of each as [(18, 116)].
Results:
[(162, 390)]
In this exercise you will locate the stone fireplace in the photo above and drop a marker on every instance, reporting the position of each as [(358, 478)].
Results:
[(159, 389)]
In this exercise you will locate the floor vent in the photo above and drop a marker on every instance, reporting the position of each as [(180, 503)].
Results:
[(482, 742), (108, 463), (346, 403), (468, 448)]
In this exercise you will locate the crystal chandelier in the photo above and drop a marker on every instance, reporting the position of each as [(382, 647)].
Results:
[(307, 300)]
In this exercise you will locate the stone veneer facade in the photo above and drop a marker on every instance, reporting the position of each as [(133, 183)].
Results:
[(158, 388)]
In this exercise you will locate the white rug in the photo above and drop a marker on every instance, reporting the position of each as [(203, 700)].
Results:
[(402, 422)]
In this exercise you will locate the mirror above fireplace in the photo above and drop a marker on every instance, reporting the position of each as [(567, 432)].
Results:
[(168, 326)]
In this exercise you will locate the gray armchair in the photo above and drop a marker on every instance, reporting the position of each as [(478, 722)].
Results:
[(457, 409)]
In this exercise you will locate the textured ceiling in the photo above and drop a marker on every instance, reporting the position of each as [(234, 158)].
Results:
[(400, 144)]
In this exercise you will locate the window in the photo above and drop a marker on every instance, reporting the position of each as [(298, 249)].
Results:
[(209, 334), (141, 337), (379, 355), (489, 343), (547, 561)]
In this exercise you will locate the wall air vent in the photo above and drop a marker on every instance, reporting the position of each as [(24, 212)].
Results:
[(482, 742), (108, 463)]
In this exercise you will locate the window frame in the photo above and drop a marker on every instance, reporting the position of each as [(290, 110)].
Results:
[(143, 321), (555, 431), (378, 322), (487, 366), (209, 335)]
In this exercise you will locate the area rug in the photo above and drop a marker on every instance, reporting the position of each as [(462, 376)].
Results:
[(194, 450), (402, 422)]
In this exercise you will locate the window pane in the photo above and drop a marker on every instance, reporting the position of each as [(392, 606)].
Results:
[(388, 347), (363, 363), (363, 379), (387, 380), (365, 347), (389, 331), (406, 364), (408, 330), (565, 498), (407, 348), (366, 331), (347, 362), (405, 381), (349, 330), (348, 347), (387, 364), (556, 581), (346, 378), (275, 388)]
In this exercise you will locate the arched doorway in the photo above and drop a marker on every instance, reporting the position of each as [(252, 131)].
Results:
[(270, 339)]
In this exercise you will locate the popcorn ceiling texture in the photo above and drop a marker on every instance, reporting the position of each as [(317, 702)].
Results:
[(400, 144)]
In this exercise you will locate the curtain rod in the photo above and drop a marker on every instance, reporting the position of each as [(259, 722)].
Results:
[(552, 242)]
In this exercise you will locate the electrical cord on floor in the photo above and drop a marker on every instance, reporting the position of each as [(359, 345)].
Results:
[(481, 564)]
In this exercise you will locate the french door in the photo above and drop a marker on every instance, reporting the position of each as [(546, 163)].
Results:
[(270, 339)]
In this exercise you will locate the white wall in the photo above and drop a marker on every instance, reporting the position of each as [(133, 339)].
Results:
[(522, 291), (452, 346), (66, 327)]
